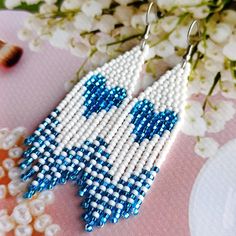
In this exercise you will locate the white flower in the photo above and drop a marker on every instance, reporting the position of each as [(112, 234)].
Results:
[(91, 8), (211, 50), (220, 33), (229, 50), (179, 37), (60, 38), (212, 66), (47, 8), (106, 23), (166, 4), (99, 58), (102, 42), (24, 34), (124, 2), (168, 23), (226, 75), (10, 4), (105, 3), (138, 20), (229, 89), (188, 3), (214, 124), (202, 81), (78, 49), (124, 14), (193, 123), (206, 147), (164, 49), (83, 22), (31, 2), (229, 16), (50, 1), (35, 44), (224, 110), (200, 12), (71, 4)]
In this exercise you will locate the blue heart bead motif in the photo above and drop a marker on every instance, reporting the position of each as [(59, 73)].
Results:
[(148, 123), (98, 97)]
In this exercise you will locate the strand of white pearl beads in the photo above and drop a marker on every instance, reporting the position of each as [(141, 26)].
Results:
[(121, 192), (53, 163)]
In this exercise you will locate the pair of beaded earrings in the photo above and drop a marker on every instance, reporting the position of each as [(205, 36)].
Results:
[(109, 143)]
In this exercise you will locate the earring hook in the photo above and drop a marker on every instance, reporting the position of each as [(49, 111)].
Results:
[(148, 26), (192, 39)]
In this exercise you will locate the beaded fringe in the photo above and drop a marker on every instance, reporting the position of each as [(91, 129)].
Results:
[(56, 147)]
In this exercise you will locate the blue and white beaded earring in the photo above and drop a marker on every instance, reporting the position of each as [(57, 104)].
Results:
[(128, 154), (59, 147)]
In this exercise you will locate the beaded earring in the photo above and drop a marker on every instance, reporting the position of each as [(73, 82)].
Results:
[(127, 155), (58, 149)]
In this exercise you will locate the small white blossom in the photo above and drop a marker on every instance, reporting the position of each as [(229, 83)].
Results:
[(186, 3), (138, 20), (229, 50), (193, 123), (79, 49), (47, 8), (60, 38), (166, 4), (102, 42), (35, 44), (224, 110), (164, 49), (206, 147), (229, 16), (179, 37), (105, 3), (226, 75), (229, 89), (214, 124), (10, 4), (24, 34), (31, 2), (202, 82), (91, 8), (200, 12), (124, 2), (71, 4), (212, 65), (106, 23), (83, 22), (220, 33), (50, 1), (124, 14), (169, 23), (99, 58)]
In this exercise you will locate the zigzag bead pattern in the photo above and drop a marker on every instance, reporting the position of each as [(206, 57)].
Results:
[(51, 155), (123, 159)]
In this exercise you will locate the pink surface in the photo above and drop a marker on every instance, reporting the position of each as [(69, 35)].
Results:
[(31, 90)]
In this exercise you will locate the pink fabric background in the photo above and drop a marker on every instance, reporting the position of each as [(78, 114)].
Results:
[(30, 90)]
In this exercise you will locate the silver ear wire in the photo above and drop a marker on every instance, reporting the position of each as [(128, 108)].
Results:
[(148, 26), (191, 43)]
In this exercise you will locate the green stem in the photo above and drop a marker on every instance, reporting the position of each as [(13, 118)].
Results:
[(124, 39), (206, 101)]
